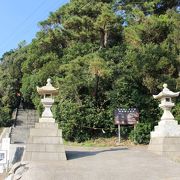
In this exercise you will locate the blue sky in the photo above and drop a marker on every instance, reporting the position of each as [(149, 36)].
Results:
[(19, 20)]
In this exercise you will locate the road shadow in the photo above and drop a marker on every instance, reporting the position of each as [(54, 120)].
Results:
[(18, 155), (80, 154), (18, 123)]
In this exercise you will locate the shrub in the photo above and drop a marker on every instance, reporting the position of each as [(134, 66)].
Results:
[(80, 123), (176, 112), (5, 119), (141, 133)]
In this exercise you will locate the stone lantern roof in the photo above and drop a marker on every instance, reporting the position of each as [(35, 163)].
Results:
[(165, 93), (48, 89)]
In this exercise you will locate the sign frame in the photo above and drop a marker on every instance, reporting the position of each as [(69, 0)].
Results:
[(125, 116), (129, 116)]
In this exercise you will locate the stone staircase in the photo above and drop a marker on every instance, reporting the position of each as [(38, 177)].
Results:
[(26, 119), (34, 141)]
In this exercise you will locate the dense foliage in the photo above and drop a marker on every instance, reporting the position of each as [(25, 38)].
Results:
[(102, 55)]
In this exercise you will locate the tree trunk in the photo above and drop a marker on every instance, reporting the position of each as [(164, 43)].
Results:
[(102, 38), (96, 89), (105, 38)]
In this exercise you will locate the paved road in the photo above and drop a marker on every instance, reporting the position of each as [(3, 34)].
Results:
[(118, 163)]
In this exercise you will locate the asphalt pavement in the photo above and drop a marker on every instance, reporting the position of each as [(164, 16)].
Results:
[(116, 163)]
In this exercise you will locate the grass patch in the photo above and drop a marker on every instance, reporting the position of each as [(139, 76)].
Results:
[(1, 129), (101, 142)]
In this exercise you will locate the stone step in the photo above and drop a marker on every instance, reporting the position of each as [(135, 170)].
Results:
[(19, 133), (24, 127), (46, 125), (45, 140), (45, 148), (44, 156), (20, 136), (19, 140), (43, 132), (26, 119), (17, 128)]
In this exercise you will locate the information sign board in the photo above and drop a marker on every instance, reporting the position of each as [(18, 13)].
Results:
[(126, 116)]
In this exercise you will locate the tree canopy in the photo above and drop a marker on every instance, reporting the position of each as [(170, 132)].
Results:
[(102, 55)]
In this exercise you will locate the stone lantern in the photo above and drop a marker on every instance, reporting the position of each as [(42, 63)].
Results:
[(165, 139), (168, 126), (45, 141), (166, 102), (48, 92)]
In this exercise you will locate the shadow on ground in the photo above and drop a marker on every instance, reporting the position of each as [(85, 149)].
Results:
[(80, 154), (18, 123), (18, 155)]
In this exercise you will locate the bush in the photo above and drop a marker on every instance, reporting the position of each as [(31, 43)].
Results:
[(176, 112), (141, 133), (5, 118), (80, 123), (125, 131)]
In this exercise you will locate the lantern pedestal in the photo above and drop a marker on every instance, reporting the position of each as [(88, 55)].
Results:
[(45, 143), (166, 146), (165, 139), (166, 128), (47, 115)]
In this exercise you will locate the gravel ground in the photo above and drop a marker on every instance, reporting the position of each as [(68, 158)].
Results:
[(119, 163)]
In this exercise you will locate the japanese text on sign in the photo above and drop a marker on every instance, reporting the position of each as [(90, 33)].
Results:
[(126, 116)]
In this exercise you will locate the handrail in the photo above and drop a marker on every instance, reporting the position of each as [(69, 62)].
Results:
[(14, 119)]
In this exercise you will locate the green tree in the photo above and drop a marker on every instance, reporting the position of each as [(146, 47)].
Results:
[(102, 55)]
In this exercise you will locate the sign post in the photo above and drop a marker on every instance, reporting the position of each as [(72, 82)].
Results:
[(126, 117), (119, 133)]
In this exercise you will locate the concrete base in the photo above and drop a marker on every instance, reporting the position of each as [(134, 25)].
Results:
[(52, 120), (166, 146), (45, 143), (166, 128)]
